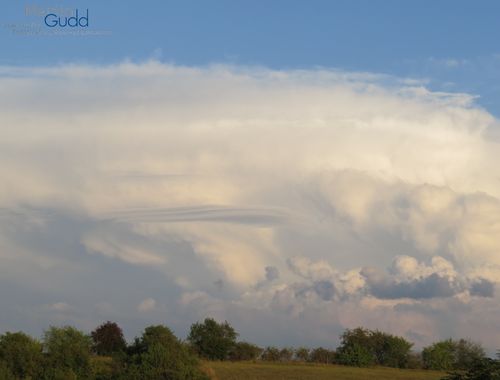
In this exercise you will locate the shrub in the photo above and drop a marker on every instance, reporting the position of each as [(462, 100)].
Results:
[(302, 354), (322, 355), (21, 355), (67, 352), (245, 351), (271, 354), (452, 355), (361, 347)]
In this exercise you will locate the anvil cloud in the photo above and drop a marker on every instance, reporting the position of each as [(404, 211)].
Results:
[(292, 203)]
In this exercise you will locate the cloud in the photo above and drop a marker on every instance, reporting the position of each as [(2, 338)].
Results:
[(272, 273), (411, 279), (250, 194), (149, 304), (60, 307)]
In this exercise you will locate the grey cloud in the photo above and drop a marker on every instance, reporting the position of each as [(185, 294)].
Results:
[(325, 290), (205, 213), (482, 288), (428, 287), (208, 187), (428, 283), (272, 273)]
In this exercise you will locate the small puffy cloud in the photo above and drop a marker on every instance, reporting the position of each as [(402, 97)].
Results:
[(147, 305), (60, 307)]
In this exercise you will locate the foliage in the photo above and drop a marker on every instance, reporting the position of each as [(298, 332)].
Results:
[(5, 372), (108, 339), (390, 350), (245, 351), (21, 355), (355, 355), (361, 347), (158, 354), (286, 354), (212, 340), (480, 369), (322, 355), (468, 353), (451, 355), (415, 361), (302, 354), (271, 354), (67, 353)]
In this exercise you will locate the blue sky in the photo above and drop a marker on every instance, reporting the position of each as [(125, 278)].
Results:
[(296, 168), (453, 44)]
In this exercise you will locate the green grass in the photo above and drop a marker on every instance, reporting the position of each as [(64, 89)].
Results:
[(297, 371)]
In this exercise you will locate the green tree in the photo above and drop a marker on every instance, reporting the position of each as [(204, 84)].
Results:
[(480, 369), (159, 355), (67, 353), (108, 339), (286, 354), (212, 340), (468, 353), (5, 372), (322, 355), (439, 356), (355, 355), (245, 351), (302, 354), (21, 354), (452, 355), (390, 350), (362, 347), (271, 354), (356, 348)]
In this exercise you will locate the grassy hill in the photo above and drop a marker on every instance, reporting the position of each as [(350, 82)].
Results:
[(297, 371)]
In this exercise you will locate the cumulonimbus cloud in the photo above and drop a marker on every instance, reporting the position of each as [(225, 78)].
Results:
[(253, 190)]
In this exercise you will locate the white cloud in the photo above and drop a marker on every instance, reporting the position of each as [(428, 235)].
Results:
[(208, 177), (147, 305), (60, 307)]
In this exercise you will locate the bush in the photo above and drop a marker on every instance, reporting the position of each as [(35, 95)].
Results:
[(21, 355), (271, 354), (302, 354), (67, 353), (360, 347), (5, 372), (286, 354), (452, 355), (322, 355), (245, 351), (355, 355), (480, 369)]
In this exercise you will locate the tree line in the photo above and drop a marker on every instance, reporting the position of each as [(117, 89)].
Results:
[(66, 353)]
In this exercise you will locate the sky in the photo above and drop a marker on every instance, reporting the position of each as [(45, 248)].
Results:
[(295, 168)]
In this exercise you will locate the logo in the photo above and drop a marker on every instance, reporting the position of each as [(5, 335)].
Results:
[(53, 20)]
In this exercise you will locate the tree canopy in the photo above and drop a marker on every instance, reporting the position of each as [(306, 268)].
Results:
[(212, 340)]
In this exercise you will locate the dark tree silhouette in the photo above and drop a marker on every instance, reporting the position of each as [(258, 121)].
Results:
[(108, 339)]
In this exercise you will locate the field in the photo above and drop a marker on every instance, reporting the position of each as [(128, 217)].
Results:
[(296, 371)]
